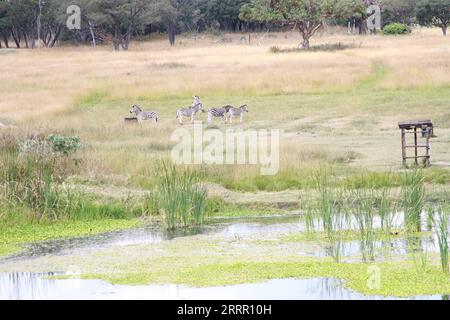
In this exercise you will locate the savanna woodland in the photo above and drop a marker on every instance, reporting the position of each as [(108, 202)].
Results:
[(94, 93)]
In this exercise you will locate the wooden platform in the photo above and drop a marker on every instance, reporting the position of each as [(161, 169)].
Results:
[(416, 127), (409, 125), (130, 120)]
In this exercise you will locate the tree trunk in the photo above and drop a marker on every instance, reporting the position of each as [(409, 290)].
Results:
[(56, 36), (5, 40), (16, 39), (171, 31), (444, 30), (91, 30), (305, 43), (26, 40), (116, 40)]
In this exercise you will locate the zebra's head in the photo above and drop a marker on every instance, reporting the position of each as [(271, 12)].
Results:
[(135, 109), (197, 104), (244, 108)]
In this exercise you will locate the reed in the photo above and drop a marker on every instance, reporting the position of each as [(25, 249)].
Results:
[(328, 212), (181, 199), (413, 194), (441, 228), (364, 212)]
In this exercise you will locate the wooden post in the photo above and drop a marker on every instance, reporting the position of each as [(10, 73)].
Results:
[(427, 147), (416, 153), (404, 147)]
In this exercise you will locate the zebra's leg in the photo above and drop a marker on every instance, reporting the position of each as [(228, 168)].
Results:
[(180, 119), (242, 117), (209, 117), (193, 118), (231, 118)]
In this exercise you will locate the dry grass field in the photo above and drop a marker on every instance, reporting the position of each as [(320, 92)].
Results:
[(338, 107)]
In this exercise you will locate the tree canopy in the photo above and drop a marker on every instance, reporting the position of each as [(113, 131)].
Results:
[(434, 13)]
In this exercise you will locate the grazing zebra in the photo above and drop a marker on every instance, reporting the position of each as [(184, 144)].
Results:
[(219, 113), (196, 107), (144, 115), (237, 112)]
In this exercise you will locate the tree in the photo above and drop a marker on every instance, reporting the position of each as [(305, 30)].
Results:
[(122, 19), (5, 23), (402, 11), (166, 12), (434, 13), (307, 16), (352, 11), (23, 16)]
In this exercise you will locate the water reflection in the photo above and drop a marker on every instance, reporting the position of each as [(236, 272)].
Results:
[(33, 286)]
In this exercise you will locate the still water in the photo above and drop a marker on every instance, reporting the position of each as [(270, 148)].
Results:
[(27, 286)]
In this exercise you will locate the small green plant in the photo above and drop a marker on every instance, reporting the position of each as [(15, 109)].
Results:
[(396, 29)]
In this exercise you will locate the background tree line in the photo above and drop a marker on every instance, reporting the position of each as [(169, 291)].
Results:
[(22, 22)]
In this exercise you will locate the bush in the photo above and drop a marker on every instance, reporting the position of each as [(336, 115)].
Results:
[(396, 29), (65, 145), (31, 170)]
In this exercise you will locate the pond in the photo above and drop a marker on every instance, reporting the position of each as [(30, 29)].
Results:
[(39, 286), (270, 226), (20, 286)]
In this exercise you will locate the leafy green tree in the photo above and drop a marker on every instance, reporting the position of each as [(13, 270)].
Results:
[(402, 11), (23, 16), (434, 13), (226, 13), (352, 11), (5, 23), (307, 16)]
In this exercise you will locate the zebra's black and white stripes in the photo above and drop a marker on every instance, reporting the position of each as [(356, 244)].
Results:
[(191, 112), (237, 112), (144, 115), (219, 113), (226, 113)]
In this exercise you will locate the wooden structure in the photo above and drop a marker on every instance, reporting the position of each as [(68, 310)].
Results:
[(130, 120), (416, 127)]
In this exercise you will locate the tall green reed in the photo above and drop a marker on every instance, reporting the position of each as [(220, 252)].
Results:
[(180, 197), (329, 213), (413, 194), (364, 213), (441, 228)]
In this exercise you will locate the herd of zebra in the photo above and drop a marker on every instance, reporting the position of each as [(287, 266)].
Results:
[(226, 113)]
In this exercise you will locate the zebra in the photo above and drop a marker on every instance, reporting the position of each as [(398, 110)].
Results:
[(196, 107), (237, 112), (219, 113), (144, 115)]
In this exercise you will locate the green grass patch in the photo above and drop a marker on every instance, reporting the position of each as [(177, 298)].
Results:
[(91, 99)]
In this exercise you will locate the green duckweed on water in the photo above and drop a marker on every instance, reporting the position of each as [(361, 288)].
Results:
[(11, 238), (395, 279)]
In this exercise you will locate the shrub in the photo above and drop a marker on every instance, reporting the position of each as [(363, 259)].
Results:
[(65, 145), (30, 172), (396, 29)]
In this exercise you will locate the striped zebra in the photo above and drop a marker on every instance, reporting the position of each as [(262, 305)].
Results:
[(219, 113), (192, 111), (144, 115), (237, 112)]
